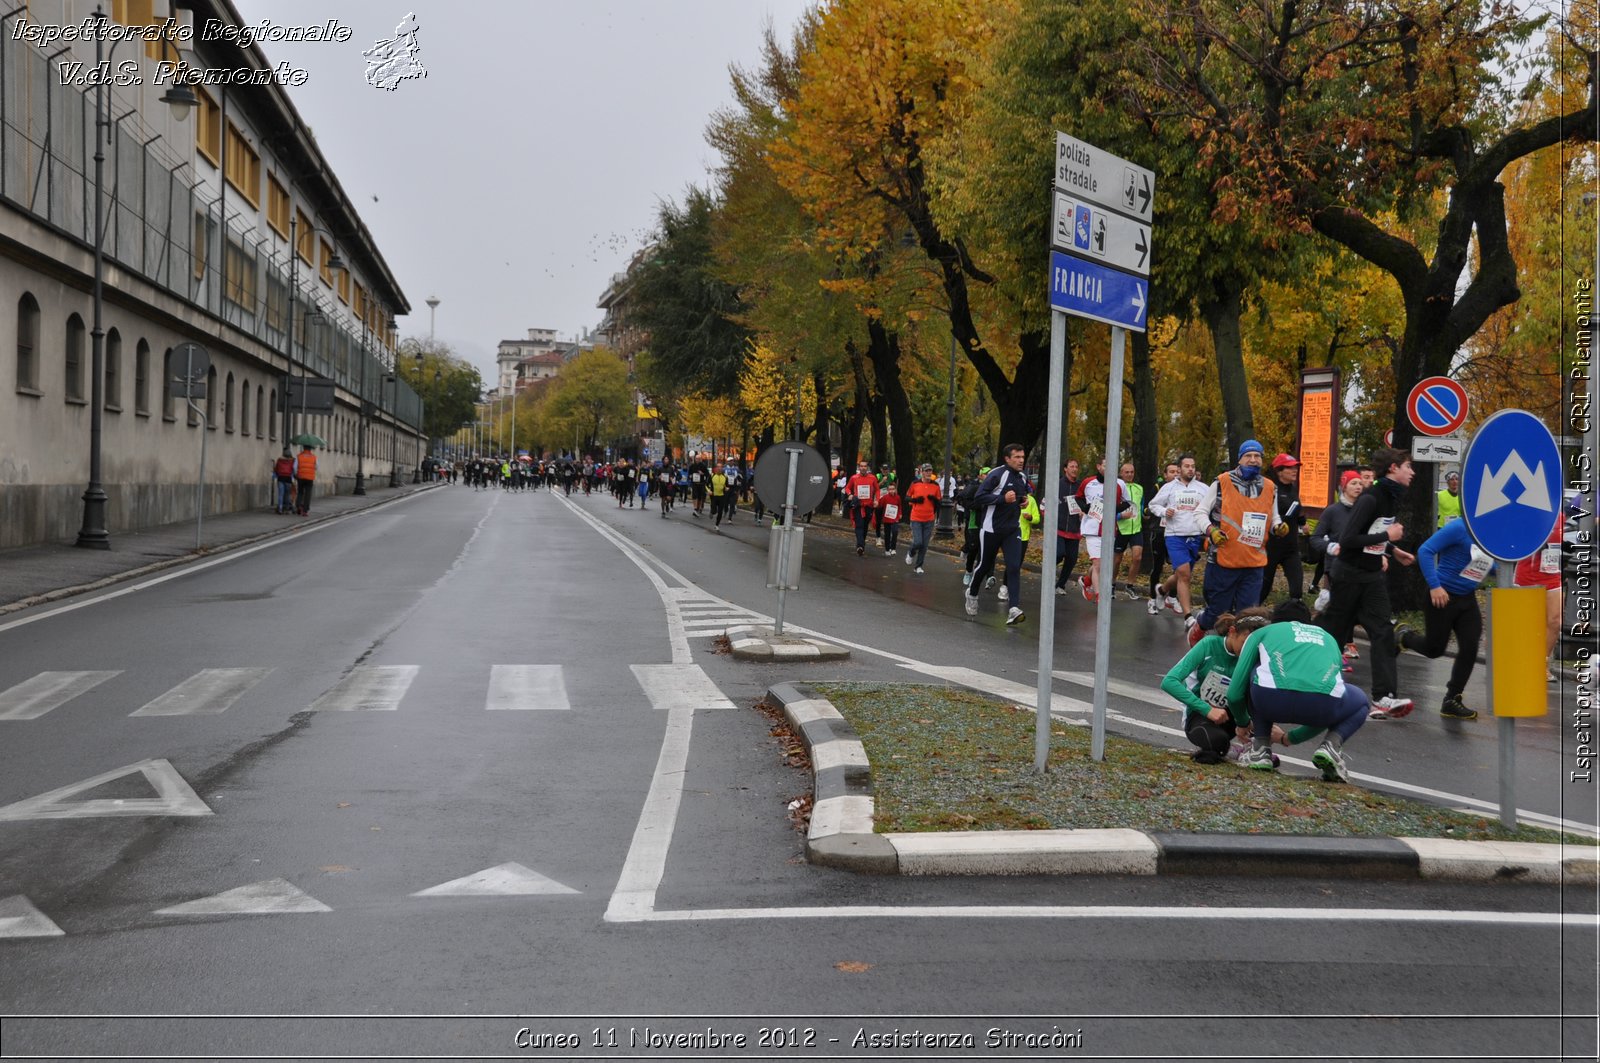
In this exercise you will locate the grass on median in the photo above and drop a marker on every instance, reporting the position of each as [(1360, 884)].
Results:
[(944, 758)]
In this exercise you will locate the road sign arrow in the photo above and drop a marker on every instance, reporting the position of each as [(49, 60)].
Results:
[(1138, 300), (1143, 247), (1491, 493), (1144, 194)]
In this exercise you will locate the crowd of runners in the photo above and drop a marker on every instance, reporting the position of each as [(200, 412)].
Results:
[(1253, 674)]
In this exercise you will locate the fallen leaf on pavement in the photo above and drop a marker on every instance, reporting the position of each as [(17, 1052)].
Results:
[(334, 869), (343, 804), (852, 967)]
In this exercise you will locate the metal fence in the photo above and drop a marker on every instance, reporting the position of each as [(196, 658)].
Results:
[(157, 218)]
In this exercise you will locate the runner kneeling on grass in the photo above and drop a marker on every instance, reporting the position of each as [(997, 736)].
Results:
[(1291, 671)]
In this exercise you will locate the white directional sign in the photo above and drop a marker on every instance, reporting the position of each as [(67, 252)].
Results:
[(1100, 235), (1087, 172), (1442, 448)]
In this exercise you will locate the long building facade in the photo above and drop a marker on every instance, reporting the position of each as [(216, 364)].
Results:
[(224, 229)]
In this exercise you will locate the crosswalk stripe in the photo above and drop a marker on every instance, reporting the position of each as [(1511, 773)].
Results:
[(527, 686), (206, 693), (719, 621), (679, 686), (34, 697), (373, 688)]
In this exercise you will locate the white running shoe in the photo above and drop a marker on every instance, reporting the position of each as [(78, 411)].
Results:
[(988, 584), (1152, 608), (1015, 616), (971, 604), (966, 579), (1390, 707), (908, 557), (888, 553), (1004, 595), (1159, 602), (919, 570), (1175, 605), (1323, 597)]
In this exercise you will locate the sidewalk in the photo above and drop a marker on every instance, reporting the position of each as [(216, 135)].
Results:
[(33, 575)]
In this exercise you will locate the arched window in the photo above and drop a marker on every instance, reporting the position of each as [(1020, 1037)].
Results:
[(211, 398), (74, 359), (168, 400), (227, 405), (28, 343), (112, 360), (244, 407), (141, 379), (261, 413), (272, 422)]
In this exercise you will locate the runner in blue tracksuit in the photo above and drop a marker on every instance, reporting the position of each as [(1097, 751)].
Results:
[(999, 502)]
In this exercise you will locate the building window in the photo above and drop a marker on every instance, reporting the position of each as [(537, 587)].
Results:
[(28, 344), (360, 304), (243, 166), (244, 408), (261, 413), (207, 126), (168, 399), (74, 359), (322, 268), (272, 422), (344, 286), (277, 207), (277, 302), (227, 405), (141, 379), (239, 269), (304, 237), (112, 360), (211, 398)]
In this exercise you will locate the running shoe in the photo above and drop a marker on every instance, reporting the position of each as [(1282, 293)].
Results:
[(1454, 709), (1061, 591), (1088, 595), (1192, 626), (919, 570), (988, 584), (1152, 608), (1394, 706), (1175, 605), (966, 579), (971, 604), (1550, 676), (1133, 595), (1015, 615), (861, 551), (1321, 603), (1159, 602), (1351, 652), (908, 557), (888, 553), (1003, 594), (1258, 758), (1332, 763)]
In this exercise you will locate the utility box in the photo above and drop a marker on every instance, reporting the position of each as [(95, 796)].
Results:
[(783, 570)]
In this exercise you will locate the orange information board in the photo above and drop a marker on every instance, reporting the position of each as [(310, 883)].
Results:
[(1319, 437)]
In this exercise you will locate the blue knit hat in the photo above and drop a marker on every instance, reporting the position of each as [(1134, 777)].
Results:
[(1250, 446)]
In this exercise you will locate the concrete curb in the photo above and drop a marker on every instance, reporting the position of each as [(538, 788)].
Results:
[(173, 562), (758, 643), (841, 835)]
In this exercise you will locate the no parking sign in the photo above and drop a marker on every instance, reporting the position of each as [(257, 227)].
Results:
[(1437, 406)]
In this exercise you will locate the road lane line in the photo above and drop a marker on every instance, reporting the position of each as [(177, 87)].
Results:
[(527, 686), (32, 698), (1244, 915), (205, 693), (371, 688), (634, 899), (679, 686)]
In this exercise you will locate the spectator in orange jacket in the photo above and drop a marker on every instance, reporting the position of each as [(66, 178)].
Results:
[(305, 473)]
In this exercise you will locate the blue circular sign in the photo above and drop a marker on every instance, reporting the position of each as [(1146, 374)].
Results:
[(1511, 485)]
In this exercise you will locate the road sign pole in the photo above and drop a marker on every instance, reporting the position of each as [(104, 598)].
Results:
[(1506, 725), (1052, 520), (1105, 582), (788, 534)]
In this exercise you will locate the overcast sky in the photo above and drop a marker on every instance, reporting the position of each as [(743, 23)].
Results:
[(528, 166)]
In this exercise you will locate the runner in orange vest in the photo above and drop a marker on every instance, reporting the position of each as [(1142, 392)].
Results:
[(1243, 506)]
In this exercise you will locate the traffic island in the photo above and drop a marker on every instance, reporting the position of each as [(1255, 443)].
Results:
[(758, 642), (958, 796)]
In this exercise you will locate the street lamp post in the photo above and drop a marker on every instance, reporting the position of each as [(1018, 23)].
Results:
[(433, 304), (92, 534), (361, 439)]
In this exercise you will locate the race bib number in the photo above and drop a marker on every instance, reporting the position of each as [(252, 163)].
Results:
[(891, 512), (1214, 690), (1187, 501), (1379, 525), (863, 491), (1073, 507), (1097, 509), (1253, 529), (1550, 559), (1478, 567), (694, 478)]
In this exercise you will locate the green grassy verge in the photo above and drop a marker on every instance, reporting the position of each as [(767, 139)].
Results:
[(950, 759)]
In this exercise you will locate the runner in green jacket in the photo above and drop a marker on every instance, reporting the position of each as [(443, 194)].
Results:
[(1292, 672)]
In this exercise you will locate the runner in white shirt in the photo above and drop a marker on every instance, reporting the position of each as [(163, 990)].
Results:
[(1180, 506)]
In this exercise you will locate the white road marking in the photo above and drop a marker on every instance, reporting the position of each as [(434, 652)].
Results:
[(174, 797), (1133, 912), (273, 897), (527, 686), (206, 693), (34, 697), (679, 686), (505, 880), (634, 899), (371, 688), (20, 919)]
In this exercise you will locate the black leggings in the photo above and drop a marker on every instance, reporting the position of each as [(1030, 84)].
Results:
[(1461, 616), (1207, 736)]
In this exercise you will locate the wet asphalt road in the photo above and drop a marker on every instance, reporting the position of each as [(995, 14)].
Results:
[(358, 809)]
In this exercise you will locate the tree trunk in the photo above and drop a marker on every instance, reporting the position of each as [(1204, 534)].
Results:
[(1222, 315), (819, 427), (1146, 421), (877, 417), (885, 353)]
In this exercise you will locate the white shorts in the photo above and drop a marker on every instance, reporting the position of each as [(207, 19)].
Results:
[(1091, 543)]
